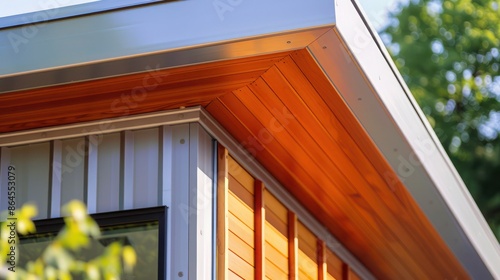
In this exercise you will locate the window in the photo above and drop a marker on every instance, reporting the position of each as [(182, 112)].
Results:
[(14, 13), (143, 229)]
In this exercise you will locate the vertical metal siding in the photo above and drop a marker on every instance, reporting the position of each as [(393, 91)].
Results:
[(73, 169), (32, 175), (108, 173)]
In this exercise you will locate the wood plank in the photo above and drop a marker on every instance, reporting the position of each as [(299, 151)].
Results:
[(353, 275), (277, 224), (147, 78), (333, 265), (274, 205), (241, 248), (307, 240), (233, 276), (241, 175), (241, 230), (91, 100), (260, 219), (239, 209), (307, 265), (293, 246), (330, 277), (222, 213), (304, 275), (241, 192), (239, 267), (274, 272), (277, 239), (276, 257)]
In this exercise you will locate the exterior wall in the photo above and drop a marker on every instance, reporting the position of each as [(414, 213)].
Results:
[(169, 165), (263, 238), (241, 216), (148, 163)]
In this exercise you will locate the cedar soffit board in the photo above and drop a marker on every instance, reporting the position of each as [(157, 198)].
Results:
[(154, 90), (295, 123)]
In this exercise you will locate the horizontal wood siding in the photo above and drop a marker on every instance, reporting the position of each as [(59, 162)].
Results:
[(276, 239), (333, 266), (241, 221), (308, 250)]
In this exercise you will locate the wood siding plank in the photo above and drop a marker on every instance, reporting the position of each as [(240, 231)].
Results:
[(276, 257), (241, 248), (239, 209), (240, 267), (333, 265), (241, 175), (241, 230)]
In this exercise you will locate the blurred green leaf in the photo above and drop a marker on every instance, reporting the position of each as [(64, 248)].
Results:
[(58, 260), (451, 65)]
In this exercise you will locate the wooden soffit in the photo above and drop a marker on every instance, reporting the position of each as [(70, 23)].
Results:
[(284, 110), (293, 120)]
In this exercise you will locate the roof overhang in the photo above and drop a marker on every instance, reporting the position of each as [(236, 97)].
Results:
[(334, 33)]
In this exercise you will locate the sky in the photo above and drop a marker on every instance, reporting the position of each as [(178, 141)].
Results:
[(376, 10)]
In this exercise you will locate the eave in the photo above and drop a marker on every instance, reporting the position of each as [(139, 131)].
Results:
[(321, 107)]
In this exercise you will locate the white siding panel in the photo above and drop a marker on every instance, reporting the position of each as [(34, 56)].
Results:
[(91, 174), (108, 173), (73, 169), (146, 160), (32, 175)]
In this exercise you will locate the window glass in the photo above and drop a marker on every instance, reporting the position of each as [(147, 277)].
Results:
[(144, 236)]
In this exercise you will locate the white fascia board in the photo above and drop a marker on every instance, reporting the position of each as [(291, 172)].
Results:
[(190, 31), (372, 87)]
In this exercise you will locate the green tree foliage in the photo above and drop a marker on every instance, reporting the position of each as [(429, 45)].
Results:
[(448, 53), (58, 260)]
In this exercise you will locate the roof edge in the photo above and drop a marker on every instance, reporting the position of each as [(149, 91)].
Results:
[(384, 105)]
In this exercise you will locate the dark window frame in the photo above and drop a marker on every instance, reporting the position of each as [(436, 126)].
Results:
[(117, 218)]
